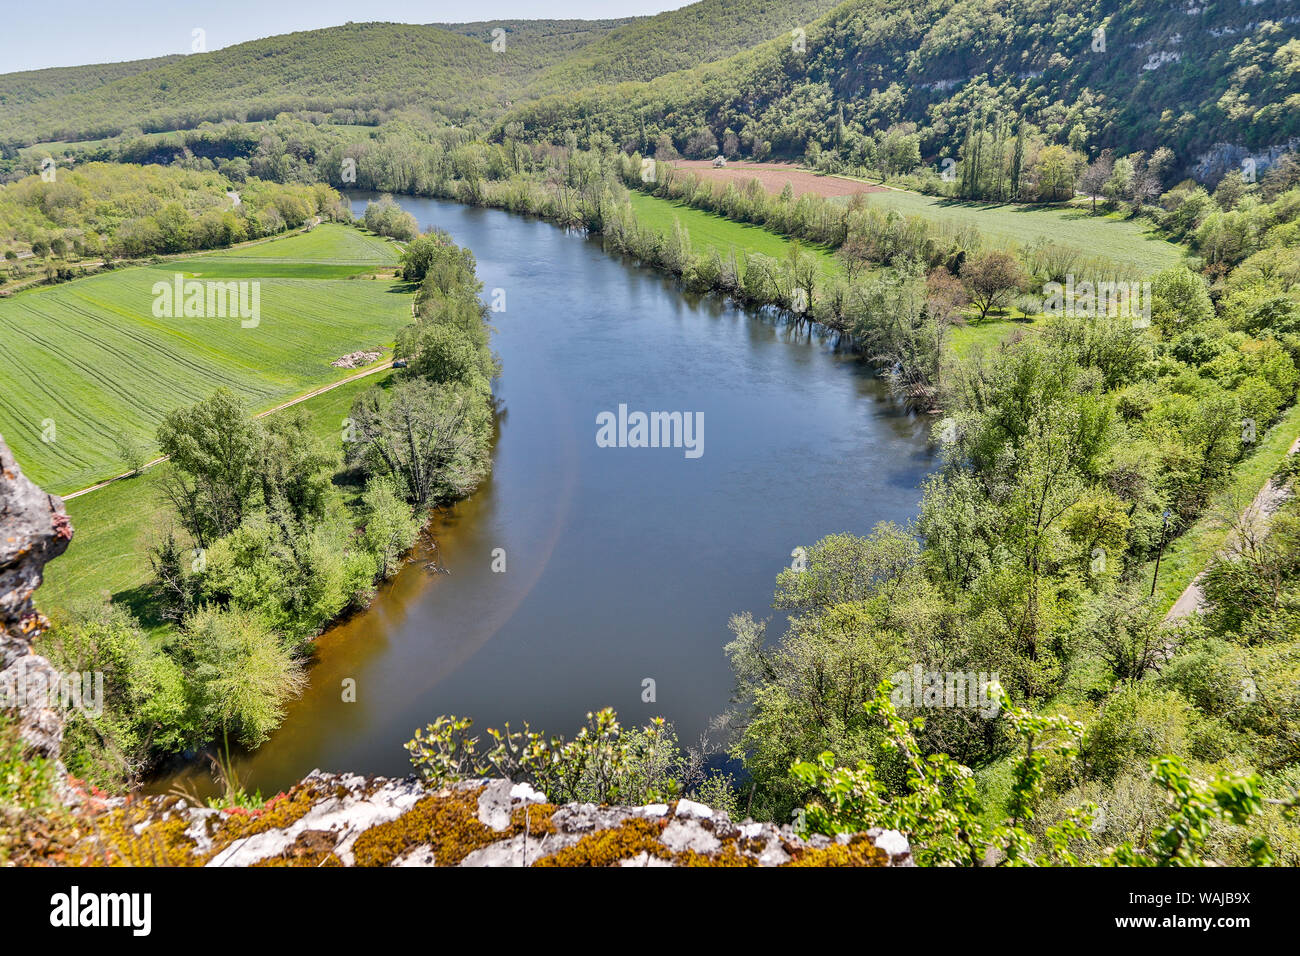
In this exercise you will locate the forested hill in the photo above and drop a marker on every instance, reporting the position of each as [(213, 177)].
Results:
[(360, 65), (779, 74), (678, 40), (31, 86), (1182, 74), (454, 70)]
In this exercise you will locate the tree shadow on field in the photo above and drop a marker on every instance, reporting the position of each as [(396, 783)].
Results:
[(1065, 211), (145, 606)]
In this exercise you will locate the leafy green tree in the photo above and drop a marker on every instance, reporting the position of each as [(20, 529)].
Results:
[(384, 217), (702, 144), (174, 586), (1124, 629), (1230, 191), (434, 439), (296, 579), (844, 568), (390, 527), (214, 448), (293, 466), (418, 254), (1120, 184), (1179, 300), (240, 676), (142, 711), (1057, 168)]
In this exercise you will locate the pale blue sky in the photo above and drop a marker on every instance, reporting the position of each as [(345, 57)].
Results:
[(74, 32)]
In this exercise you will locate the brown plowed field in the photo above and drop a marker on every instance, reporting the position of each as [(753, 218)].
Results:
[(774, 176)]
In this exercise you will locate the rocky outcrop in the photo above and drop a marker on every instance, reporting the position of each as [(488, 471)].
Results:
[(34, 529), (348, 820), (1222, 158)]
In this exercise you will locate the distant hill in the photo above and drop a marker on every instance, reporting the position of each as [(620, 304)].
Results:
[(32, 86), (1129, 74), (452, 69), (360, 65), (648, 47), (538, 43), (1182, 74)]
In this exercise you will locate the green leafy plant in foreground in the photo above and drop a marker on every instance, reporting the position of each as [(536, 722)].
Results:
[(27, 782), (941, 814), (604, 763)]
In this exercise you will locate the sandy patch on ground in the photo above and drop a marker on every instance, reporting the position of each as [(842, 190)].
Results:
[(774, 176), (358, 359)]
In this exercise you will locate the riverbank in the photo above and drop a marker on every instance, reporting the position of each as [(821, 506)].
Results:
[(592, 540), (114, 522), (286, 539)]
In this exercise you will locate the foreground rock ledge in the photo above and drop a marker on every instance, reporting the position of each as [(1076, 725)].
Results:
[(349, 820)]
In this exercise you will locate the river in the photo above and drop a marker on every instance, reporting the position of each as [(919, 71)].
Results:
[(622, 564)]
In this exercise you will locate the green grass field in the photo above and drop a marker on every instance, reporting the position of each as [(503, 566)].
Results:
[(83, 360), (986, 334), (709, 231), (327, 244), (1128, 243)]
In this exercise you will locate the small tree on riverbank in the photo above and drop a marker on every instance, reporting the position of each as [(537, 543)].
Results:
[(991, 279)]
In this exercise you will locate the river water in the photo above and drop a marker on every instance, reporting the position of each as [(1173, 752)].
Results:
[(622, 564)]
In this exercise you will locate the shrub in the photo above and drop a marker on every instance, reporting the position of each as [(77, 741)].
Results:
[(240, 675), (605, 763)]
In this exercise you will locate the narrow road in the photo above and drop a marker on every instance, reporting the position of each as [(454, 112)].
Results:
[(293, 401), (1257, 515)]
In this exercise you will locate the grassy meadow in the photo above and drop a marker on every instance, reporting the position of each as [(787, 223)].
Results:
[(986, 334), (85, 359), (327, 244), (1126, 242), (710, 231)]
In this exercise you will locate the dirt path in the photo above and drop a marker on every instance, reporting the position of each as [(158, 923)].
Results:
[(293, 401), (1257, 516)]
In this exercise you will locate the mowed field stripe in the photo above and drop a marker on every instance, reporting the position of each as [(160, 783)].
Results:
[(283, 405)]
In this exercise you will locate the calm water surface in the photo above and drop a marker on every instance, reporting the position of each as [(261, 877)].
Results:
[(621, 563)]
